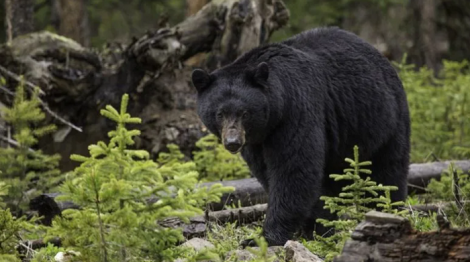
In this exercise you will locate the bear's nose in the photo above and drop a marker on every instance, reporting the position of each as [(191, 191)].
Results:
[(232, 144)]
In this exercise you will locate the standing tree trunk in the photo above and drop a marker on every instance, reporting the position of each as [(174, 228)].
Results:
[(19, 17), (456, 20), (73, 20), (424, 48)]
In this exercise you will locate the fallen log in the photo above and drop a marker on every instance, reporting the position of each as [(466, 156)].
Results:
[(386, 237), (249, 192), (421, 174)]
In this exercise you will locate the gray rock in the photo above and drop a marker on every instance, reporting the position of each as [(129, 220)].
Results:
[(384, 218), (198, 244), (296, 252), (245, 255)]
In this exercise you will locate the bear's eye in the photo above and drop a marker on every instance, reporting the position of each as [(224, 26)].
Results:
[(245, 115)]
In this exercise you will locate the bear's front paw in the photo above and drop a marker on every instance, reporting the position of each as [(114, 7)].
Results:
[(248, 243)]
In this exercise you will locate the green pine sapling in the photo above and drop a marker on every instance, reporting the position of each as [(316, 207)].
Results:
[(25, 169), (453, 187), (112, 185), (12, 229), (351, 205), (215, 163)]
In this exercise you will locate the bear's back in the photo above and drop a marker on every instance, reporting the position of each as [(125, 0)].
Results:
[(331, 41)]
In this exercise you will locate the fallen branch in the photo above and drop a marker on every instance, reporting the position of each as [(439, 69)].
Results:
[(31, 86), (198, 226), (13, 142), (385, 237)]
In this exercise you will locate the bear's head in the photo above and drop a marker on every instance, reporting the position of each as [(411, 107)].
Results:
[(233, 103)]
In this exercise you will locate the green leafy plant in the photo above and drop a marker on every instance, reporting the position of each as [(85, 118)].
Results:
[(261, 253), (454, 188), (13, 230), (215, 163), (23, 168), (47, 253), (227, 238), (439, 110), (116, 221)]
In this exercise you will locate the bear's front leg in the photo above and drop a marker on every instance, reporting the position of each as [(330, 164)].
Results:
[(291, 200)]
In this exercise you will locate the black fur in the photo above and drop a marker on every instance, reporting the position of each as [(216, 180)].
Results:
[(326, 91)]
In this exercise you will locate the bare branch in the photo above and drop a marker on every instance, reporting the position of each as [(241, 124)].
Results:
[(13, 142), (18, 78), (43, 104)]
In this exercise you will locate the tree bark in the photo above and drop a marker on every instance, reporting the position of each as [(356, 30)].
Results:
[(19, 17), (73, 20), (454, 21), (385, 237), (192, 7)]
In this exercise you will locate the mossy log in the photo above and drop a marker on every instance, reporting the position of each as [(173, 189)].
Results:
[(390, 238)]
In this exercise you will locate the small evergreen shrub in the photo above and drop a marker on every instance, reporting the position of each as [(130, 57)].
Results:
[(27, 172), (215, 163), (453, 187), (350, 206), (12, 230), (116, 222)]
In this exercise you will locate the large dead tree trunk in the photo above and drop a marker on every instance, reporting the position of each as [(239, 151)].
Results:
[(79, 82)]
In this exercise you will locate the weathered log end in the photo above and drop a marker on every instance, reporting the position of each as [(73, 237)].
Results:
[(385, 237)]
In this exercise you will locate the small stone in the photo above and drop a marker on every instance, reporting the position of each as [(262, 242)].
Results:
[(198, 244), (384, 218), (246, 255), (171, 133), (297, 252), (66, 256)]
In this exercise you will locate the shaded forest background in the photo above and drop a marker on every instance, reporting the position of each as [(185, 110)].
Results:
[(427, 31), (72, 72)]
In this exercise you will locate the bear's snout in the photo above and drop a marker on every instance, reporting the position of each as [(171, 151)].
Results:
[(233, 140)]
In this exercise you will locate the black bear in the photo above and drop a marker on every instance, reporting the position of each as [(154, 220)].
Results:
[(295, 110)]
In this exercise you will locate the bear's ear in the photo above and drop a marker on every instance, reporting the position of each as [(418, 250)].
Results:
[(260, 74), (200, 79)]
